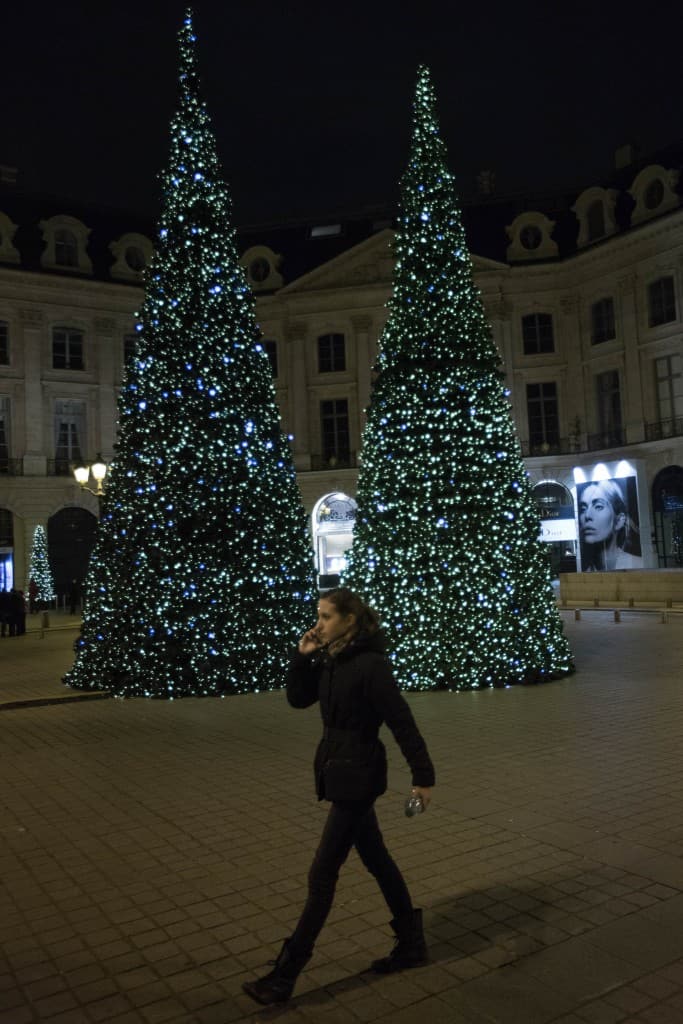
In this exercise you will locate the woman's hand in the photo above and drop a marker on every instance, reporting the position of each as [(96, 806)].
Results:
[(425, 792), (309, 642)]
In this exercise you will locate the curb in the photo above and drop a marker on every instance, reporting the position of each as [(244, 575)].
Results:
[(42, 702)]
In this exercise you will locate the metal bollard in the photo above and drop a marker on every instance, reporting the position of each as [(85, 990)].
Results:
[(617, 615), (577, 615), (45, 624)]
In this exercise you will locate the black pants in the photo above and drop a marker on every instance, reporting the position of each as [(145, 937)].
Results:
[(348, 824)]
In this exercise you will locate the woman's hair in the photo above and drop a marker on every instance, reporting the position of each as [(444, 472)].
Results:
[(627, 535), (348, 603)]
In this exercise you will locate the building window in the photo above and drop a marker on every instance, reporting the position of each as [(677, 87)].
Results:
[(543, 415), (130, 348), (331, 353), (602, 321), (66, 248), (4, 343), (661, 302), (595, 220), (530, 237), (654, 194), (609, 407), (669, 383), (334, 423), (69, 432), (135, 258), (270, 348), (537, 333), (67, 349), (4, 434)]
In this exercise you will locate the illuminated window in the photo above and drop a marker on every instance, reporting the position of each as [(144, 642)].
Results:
[(602, 321), (537, 333), (661, 302), (331, 353), (67, 349)]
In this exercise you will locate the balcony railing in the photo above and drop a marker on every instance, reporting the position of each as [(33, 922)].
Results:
[(11, 467), (605, 439), (664, 428), (58, 467), (560, 446), (339, 460)]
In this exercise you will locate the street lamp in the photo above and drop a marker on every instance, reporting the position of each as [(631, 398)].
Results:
[(98, 470)]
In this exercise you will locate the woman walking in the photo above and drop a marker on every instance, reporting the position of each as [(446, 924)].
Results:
[(341, 664)]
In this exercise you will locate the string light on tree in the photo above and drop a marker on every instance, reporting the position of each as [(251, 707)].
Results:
[(202, 577), (447, 543), (39, 569)]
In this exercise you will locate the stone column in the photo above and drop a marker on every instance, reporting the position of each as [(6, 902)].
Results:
[(633, 383), (365, 360), (35, 459), (296, 333)]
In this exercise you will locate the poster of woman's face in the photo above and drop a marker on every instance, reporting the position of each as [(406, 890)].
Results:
[(609, 524)]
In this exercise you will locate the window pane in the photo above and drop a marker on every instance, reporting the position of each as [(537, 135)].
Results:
[(661, 302), (537, 333), (331, 353), (4, 343)]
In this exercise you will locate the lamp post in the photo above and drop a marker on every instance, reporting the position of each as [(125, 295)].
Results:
[(98, 471)]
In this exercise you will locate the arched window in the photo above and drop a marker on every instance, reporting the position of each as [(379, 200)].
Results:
[(667, 507)]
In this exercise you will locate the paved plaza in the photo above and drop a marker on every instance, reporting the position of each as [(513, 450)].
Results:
[(153, 854)]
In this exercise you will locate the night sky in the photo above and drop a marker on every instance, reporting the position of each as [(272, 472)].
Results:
[(311, 100)]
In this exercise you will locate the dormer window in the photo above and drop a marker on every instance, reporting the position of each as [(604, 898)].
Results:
[(66, 244), (261, 265), (8, 254), (530, 237), (595, 212), (132, 254), (596, 220), (66, 248), (654, 191)]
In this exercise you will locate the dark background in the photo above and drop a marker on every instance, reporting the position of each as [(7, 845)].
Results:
[(311, 100)]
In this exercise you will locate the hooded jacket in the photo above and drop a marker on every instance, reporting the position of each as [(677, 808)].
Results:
[(357, 693)]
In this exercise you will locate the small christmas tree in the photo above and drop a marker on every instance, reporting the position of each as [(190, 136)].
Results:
[(202, 574), (447, 543), (39, 570)]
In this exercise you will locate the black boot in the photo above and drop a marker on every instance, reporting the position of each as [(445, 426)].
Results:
[(278, 985), (410, 948)]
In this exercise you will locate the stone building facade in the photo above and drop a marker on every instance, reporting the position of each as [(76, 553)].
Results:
[(584, 295)]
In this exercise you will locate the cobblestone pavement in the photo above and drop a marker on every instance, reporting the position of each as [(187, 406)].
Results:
[(153, 855)]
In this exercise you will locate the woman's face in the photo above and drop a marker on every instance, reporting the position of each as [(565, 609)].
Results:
[(597, 519), (331, 625)]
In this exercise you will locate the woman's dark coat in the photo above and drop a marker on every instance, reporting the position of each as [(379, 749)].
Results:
[(357, 693)]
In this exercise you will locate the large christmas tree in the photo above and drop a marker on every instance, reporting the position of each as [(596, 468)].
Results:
[(39, 570), (446, 544), (201, 577)]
